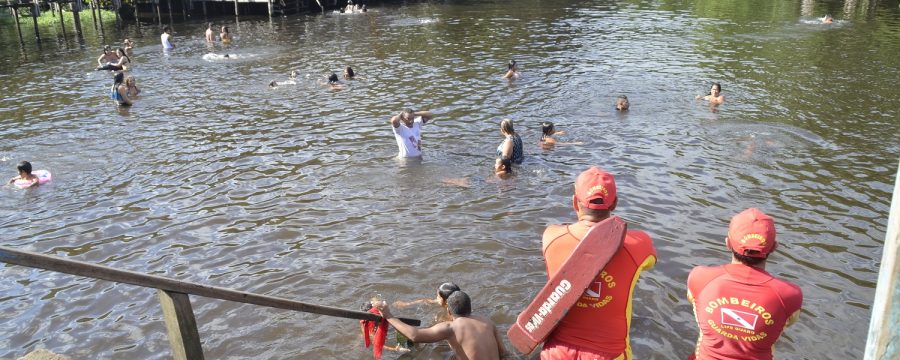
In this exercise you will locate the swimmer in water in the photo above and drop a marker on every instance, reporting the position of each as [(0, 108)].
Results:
[(131, 85), (333, 82), (547, 132), (828, 19), (470, 336), (511, 148), (24, 168), (503, 170), (210, 36), (715, 96), (128, 45), (512, 71), (108, 56), (290, 81), (622, 103), (443, 291), (120, 64), (119, 91), (348, 73), (225, 36)]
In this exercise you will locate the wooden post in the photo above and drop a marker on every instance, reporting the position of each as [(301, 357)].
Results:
[(62, 23), (298, 5), (137, 14), (271, 8), (885, 324), (34, 15), (183, 11), (15, 12), (180, 325), (236, 8), (76, 10), (94, 14), (158, 13), (169, 6), (204, 9)]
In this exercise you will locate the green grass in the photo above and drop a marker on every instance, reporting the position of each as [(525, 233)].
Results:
[(48, 19)]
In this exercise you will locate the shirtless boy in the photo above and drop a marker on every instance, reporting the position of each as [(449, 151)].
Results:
[(471, 337)]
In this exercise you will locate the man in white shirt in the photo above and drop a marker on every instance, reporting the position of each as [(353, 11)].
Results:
[(164, 38), (408, 131)]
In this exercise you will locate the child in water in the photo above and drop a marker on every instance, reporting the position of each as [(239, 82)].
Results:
[(715, 96), (512, 71), (622, 103), (443, 292), (502, 170), (24, 175), (333, 82), (547, 132)]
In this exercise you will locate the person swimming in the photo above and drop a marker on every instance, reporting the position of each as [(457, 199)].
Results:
[(512, 71), (715, 96), (443, 292), (108, 56), (828, 19), (225, 36), (291, 80), (622, 103), (348, 73), (548, 130), (511, 148), (333, 82), (120, 64), (119, 91), (24, 176), (210, 37), (131, 86)]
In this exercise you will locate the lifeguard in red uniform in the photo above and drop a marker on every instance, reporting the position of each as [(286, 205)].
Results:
[(742, 309), (597, 326)]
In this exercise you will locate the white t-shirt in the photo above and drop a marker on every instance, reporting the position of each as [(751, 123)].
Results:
[(164, 38), (409, 140)]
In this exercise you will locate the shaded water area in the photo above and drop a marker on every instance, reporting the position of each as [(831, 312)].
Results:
[(213, 177)]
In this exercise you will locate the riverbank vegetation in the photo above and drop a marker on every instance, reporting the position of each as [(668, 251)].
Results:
[(48, 18)]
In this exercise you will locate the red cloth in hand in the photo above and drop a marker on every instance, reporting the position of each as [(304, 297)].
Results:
[(379, 331)]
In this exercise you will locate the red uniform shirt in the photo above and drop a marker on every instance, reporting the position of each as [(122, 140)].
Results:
[(741, 310), (600, 320)]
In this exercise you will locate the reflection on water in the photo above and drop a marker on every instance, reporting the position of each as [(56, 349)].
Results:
[(294, 191)]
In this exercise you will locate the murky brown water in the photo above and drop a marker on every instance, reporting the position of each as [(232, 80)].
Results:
[(295, 192)]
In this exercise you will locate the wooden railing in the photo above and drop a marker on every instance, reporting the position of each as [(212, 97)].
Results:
[(173, 297)]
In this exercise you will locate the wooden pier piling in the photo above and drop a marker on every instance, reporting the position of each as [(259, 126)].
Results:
[(884, 327)]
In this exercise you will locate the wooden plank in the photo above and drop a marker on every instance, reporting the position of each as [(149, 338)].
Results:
[(25, 258), (553, 302), (181, 325), (884, 327)]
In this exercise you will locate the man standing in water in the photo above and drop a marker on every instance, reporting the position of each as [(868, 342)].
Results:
[(741, 309), (164, 38), (408, 131), (597, 326), (471, 337)]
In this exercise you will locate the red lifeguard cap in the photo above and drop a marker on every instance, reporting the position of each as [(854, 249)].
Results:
[(595, 189), (752, 233)]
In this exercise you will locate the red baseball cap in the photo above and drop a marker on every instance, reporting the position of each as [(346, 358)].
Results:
[(595, 189), (752, 233)]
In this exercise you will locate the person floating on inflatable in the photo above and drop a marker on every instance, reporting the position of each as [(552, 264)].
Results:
[(27, 179)]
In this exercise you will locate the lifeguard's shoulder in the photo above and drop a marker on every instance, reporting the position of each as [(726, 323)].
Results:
[(551, 233)]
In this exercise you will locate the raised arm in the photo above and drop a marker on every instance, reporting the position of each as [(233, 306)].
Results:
[(395, 121), (442, 331), (426, 115)]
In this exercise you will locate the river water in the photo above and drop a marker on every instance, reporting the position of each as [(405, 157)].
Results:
[(213, 177)]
